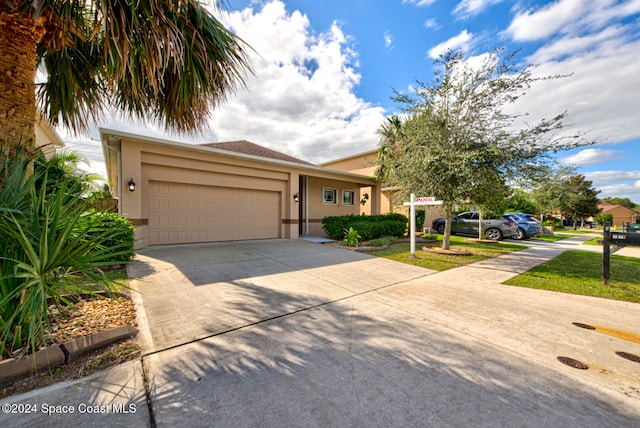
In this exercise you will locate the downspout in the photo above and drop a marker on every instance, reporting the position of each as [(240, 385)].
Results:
[(306, 204)]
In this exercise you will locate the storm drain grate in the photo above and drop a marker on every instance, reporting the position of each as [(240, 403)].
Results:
[(627, 356), (573, 363), (585, 326)]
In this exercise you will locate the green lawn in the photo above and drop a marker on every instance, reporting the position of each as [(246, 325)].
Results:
[(480, 251), (550, 238), (580, 272), (575, 232)]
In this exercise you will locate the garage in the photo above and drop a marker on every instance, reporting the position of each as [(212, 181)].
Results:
[(174, 192), (181, 213)]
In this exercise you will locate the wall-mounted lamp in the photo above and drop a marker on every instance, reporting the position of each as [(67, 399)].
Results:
[(296, 197), (132, 185)]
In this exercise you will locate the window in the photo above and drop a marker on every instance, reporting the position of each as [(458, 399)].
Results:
[(348, 197), (329, 195)]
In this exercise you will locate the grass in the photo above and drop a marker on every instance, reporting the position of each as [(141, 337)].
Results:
[(580, 272), (575, 232), (480, 251), (550, 238)]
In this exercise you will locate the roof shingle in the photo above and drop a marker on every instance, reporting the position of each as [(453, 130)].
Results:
[(249, 148)]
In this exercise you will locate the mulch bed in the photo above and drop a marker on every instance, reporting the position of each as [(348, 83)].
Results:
[(88, 315)]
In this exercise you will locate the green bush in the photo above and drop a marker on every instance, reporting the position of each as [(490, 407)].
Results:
[(369, 227), (352, 237), (420, 216), (120, 243), (51, 247)]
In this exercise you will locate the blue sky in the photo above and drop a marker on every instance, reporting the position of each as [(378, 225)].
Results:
[(325, 73)]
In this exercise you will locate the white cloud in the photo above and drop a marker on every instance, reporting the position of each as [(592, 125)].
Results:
[(622, 184), (419, 3), (432, 24), (463, 41), (592, 156), (534, 25), (388, 40), (600, 96), (301, 100), (468, 8)]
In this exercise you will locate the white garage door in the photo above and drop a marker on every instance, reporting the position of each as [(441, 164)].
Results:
[(181, 213)]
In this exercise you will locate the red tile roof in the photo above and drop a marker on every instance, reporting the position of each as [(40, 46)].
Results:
[(249, 148)]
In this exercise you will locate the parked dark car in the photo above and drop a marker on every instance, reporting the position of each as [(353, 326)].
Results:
[(468, 224), (587, 224), (528, 225)]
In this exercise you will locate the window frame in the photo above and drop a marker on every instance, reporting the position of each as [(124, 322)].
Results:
[(353, 197), (335, 196)]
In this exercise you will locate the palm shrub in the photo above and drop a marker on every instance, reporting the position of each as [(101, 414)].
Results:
[(51, 249)]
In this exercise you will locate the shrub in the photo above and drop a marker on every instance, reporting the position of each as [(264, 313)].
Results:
[(352, 238), (369, 227), (120, 244), (51, 248)]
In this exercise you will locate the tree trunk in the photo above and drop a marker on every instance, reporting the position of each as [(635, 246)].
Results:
[(446, 238), (18, 39)]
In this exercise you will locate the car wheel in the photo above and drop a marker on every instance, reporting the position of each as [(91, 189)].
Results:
[(494, 234), (521, 235), (588, 225), (440, 229)]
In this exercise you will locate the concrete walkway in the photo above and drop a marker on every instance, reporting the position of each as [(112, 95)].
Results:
[(292, 333)]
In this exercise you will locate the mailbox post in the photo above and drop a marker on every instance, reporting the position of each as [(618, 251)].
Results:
[(606, 254), (620, 239)]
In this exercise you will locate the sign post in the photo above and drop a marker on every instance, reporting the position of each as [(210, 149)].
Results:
[(422, 200)]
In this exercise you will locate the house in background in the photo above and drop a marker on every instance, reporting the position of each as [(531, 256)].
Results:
[(620, 214), (47, 139), (182, 193), (365, 164)]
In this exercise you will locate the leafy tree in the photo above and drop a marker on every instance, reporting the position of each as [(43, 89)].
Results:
[(579, 200), (550, 187), (625, 202), (601, 218), (167, 60), (521, 201), (457, 143)]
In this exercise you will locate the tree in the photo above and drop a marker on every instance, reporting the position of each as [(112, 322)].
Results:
[(625, 202), (521, 201), (550, 187), (579, 200), (166, 60), (457, 141)]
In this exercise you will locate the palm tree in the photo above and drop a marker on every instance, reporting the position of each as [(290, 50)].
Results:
[(390, 143), (166, 60)]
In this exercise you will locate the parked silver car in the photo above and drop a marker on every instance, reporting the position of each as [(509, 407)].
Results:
[(468, 224)]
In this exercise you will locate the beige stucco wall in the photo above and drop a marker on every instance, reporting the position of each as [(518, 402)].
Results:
[(146, 161), (621, 215), (365, 164), (318, 209)]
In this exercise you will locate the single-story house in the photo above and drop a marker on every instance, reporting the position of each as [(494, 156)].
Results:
[(183, 193), (366, 164), (620, 213)]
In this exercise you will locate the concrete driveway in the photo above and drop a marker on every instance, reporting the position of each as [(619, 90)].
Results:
[(291, 333)]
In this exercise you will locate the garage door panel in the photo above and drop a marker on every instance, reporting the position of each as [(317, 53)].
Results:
[(195, 213)]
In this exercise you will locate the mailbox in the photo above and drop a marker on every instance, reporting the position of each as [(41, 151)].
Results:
[(625, 238)]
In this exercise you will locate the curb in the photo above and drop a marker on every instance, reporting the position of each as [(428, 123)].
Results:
[(14, 369)]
